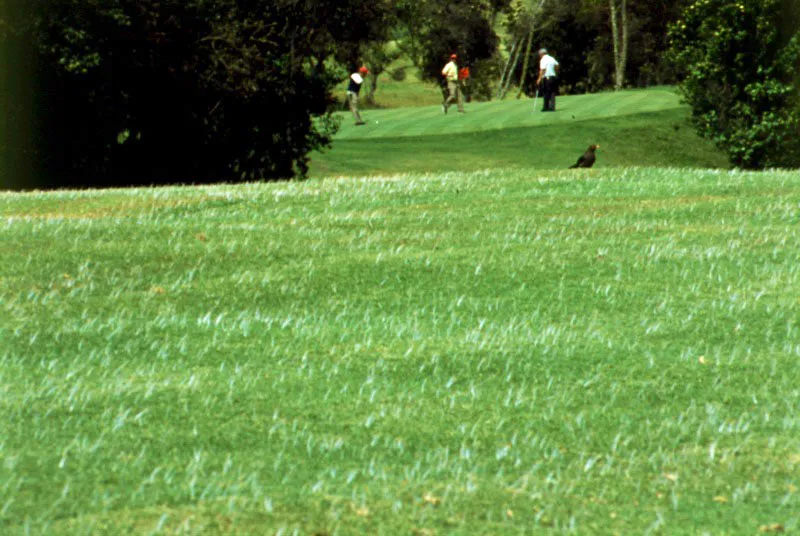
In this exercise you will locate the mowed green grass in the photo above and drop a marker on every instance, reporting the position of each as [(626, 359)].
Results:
[(634, 128), (613, 350)]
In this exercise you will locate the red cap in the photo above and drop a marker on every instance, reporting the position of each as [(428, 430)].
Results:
[(363, 70), (453, 56)]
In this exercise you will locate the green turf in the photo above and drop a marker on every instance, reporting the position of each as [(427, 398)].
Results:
[(637, 127), (590, 352), (505, 114)]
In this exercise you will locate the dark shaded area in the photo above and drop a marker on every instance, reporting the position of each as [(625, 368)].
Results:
[(137, 92), (18, 153), (790, 29), (578, 35), (569, 38)]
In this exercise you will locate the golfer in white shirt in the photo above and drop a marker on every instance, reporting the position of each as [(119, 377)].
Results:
[(450, 73), (353, 88), (548, 80)]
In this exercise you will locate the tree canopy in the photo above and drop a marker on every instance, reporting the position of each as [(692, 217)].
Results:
[(147, 91)]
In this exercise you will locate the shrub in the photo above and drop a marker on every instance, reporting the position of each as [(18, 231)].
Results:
[(738, 73)]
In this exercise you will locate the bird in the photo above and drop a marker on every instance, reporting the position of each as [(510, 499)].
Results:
[(588, 158)]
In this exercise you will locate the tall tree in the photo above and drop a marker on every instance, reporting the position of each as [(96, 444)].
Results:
[(523, 18)]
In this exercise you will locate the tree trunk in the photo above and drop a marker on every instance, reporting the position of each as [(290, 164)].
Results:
[(624, 59), (372, 87), (533, 17), (619, 36), (502, 83), (510, 74), (527, 59), (612, 4)]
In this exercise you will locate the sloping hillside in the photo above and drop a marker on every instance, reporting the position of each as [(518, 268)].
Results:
[(637, 127)]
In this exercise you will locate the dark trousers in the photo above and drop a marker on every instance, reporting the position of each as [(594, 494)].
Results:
[(549, 90)]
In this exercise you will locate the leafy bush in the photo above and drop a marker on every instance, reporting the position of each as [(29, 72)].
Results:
[(399, 74), (738, 76)]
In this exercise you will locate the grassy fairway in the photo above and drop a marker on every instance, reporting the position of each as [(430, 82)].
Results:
[(485, 353), (644, 128)]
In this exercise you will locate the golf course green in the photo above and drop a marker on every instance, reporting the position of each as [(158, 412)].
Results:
[(645, 127)]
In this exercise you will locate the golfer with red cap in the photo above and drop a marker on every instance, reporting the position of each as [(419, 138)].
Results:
[(450, 73), (353, 88)]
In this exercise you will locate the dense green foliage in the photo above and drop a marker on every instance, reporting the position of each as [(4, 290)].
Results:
[(578, 33), (152, 91), (500, 352), (739, 74), (184, 90), (432, 30)]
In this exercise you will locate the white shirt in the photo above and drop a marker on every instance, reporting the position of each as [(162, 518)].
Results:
[(450, 71), (357, 78), (548, 64)]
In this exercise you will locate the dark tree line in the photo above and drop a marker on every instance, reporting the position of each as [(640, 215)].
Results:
[(118, 92), (582, 34), (150, 91)]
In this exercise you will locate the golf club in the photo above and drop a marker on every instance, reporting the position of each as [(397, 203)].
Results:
[(535, 96)]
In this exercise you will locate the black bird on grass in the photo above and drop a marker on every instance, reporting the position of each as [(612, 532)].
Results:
[(588, 158)]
